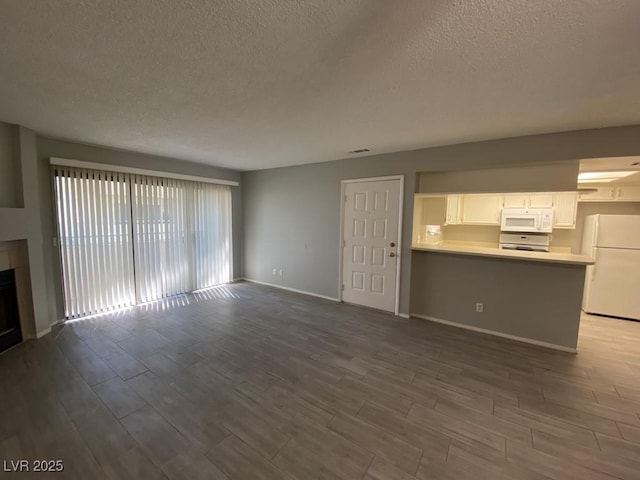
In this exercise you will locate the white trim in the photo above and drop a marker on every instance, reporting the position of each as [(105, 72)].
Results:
[(396, 309), (39, 334), (303, 292), (399, 253), (341, 240), (65, 162), (496, 334), (373, 179), (404, 315)]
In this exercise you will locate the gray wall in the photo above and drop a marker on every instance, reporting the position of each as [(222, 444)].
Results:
[(47, 147), (539, 301), (10, 168), (549, 177), (292, 214)]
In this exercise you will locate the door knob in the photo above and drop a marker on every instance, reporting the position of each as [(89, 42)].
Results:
[(392, 254)]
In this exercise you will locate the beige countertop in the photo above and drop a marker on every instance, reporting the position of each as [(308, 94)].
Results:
[(491, 250)]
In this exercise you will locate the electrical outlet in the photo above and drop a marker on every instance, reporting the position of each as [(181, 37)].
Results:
[(274, 271), (280, 272), (479, 307)]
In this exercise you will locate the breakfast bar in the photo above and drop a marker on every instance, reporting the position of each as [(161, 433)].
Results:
[(533, 297), (491, 250)]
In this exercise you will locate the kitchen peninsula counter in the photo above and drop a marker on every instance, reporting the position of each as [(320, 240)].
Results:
[(533, 297), (492, 250)]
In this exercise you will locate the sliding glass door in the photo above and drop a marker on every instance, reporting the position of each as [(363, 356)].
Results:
[(130, 239), (94, 225), (160, 240), (212, 248)]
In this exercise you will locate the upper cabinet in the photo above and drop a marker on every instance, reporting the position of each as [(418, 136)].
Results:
[(473, 209), (628, 193), (565, 208), (541, 200), (452, 216), (486, 209), (480, 209), (515, 200), (530, 200), (598, 194)]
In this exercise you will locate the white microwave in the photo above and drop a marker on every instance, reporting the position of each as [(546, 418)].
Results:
[(527, 220)]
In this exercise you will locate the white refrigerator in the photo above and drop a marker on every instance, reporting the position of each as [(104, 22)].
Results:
[(612, 284)]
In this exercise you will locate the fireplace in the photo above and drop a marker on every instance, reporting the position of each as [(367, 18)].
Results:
[(10, 333)]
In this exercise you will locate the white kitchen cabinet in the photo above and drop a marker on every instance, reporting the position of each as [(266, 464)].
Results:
[(601, 194), (480, 209), (473, 209), (452, 216), (540, 200), (565, 209), (527, 200), (628, 194), (625, 193), (515, 200)]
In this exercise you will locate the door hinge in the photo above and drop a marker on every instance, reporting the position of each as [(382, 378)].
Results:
[(343, 287)]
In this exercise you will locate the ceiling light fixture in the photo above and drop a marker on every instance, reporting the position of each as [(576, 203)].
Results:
[(360, 150), (597, 177)]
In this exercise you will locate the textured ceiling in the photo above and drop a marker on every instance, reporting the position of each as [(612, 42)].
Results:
[(252, 84)]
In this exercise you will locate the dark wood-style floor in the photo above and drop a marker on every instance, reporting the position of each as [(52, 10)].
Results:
[(248, 382)]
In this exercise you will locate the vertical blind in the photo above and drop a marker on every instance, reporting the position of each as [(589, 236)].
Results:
[(95, 240), (160, 237), (212, 247), (127, 239)]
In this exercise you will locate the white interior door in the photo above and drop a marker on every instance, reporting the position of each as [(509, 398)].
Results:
[(371, 243)]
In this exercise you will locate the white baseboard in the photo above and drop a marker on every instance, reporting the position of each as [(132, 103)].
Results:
[(44, 332), (404, 315), (38, 335), (497, 334), (292, 289)]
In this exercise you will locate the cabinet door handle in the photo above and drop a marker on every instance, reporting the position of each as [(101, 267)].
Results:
[(620, 194)]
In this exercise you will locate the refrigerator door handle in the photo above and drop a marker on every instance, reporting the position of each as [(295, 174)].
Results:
[(595, 264)]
